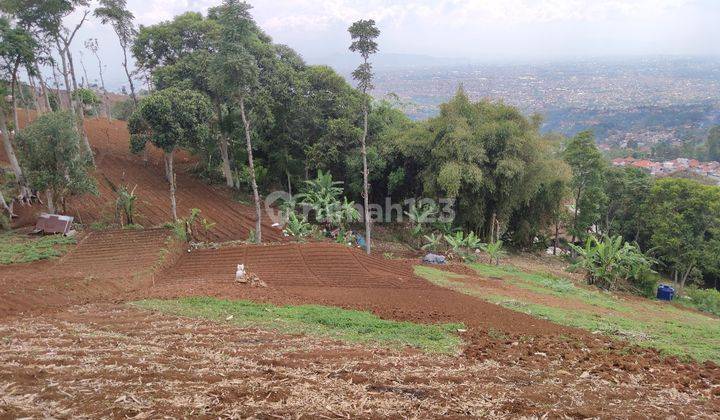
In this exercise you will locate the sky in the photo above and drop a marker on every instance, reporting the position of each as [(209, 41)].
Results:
[(477, 30)]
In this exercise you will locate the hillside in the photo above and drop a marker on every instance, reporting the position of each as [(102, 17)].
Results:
[(115, 163)]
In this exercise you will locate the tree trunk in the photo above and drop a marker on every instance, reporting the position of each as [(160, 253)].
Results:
[(43, 88), (50, 203), (79, 107), (256, 195), (685, 276), (287, 174), (575, 216), (66, 77), (5, 206), (105, 92), (10, 152), (366, 193), (169, 158), (31, 82), (556, 242), (226, 169), (129, 76)]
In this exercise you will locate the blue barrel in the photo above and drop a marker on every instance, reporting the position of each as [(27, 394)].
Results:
[(665, 292)]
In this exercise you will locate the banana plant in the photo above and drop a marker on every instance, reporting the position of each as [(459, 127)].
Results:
[(494, 250), (433, 242)]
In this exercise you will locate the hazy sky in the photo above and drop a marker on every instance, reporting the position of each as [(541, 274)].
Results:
[(486, 30)]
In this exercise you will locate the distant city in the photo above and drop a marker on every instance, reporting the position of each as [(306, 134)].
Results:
[(637, 102)]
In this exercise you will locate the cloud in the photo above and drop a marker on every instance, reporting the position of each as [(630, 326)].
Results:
[(319, 15)]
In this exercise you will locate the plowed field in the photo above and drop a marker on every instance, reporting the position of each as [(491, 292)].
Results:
[(72, 347)]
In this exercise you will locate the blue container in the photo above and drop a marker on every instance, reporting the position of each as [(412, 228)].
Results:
[(665, 292)]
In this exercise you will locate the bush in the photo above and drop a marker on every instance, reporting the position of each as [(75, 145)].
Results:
[(611, 261), (706, 300)]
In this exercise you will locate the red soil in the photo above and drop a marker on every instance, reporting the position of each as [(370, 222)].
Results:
[(115, 163), (539, 363)]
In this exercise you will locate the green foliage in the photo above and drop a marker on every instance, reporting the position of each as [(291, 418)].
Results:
[(325, 321), (52, 159), (491, 159), (17, 249), (462, 245), (682, 218), (706, 300), (611, 261), (420, 216), (627, 190), (125, 204), (87, 97), (322, 196), (588, 168), (434, 242), (172, 118), (494, 250), (122, 110), (297, 226), (363, 34), (189, 229), (713, 144)]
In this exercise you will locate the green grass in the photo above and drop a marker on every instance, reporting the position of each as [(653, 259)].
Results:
[(551, 285), (324, 321), (16, 249), (671, 330)]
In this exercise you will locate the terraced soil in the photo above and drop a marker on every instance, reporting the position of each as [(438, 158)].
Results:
[(104, 266), (71, 347)]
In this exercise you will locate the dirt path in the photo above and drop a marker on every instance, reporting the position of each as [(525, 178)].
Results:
[(114, 361)]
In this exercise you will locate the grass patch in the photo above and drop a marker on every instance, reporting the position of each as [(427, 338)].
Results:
[(671, 330), (15, 249), (325, 321), (551, 285)]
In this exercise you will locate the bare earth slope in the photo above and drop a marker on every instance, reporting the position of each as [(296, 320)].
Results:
[(115, 163)]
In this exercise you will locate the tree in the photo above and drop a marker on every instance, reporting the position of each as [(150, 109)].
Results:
[(491, 160), (53, 160), (171, 118), (92, 45), (588, 167), (116, 13), (234, 72), (683, 218), (44, 18), (713, 144), (627, 190), (363, 34), (16, 47)]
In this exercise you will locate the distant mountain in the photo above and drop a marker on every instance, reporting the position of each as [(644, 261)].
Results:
[(347, 61)]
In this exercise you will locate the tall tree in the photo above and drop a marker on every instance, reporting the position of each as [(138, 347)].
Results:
[(92, 45), (588, 167), (44, 18), (116, 13), (17, 47), (363, 34), (171, 118), (234, 73)]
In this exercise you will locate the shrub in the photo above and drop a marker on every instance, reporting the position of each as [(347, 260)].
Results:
[(611, 260), (494, 250), (297, 226), (706, 300)]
